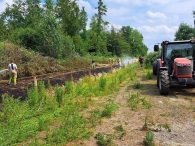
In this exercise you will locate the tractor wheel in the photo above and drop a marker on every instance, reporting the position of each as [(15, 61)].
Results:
[(155, 68), (163, 79), (157, 79)]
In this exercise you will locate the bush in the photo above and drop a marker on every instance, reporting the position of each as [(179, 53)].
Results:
[(27, 37), (150, 58)]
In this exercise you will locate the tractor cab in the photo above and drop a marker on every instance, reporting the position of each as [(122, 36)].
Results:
[(176, 64)]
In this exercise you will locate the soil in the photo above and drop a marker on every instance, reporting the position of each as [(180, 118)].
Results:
[(171, 118)]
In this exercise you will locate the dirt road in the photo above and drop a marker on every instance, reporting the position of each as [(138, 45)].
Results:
[(171, 118)]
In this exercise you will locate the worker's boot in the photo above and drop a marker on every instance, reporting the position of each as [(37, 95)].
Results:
[(10, 79), (14, 81)]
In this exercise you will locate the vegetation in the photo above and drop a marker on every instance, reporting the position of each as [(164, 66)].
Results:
[(184, 32), (136, 101), (31, 63), (104, 139), (59, 30), (149, 139), (60, 112)]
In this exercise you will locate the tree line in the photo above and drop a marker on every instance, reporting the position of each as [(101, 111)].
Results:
[(185, 31), (59, 29)]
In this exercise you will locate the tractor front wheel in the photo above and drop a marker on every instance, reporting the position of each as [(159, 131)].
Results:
[(154, 65), (163, 81)]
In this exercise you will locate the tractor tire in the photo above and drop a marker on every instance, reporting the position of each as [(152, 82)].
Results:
[(155, 68), (157, 80), (163, 82)]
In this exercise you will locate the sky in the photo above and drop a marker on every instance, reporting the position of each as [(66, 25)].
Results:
[(156, 20)]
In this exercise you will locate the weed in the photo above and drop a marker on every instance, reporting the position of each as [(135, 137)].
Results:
[(104, 139), (145, 103), (58, 94), (166, 126), (95, 116), (149, 139), (145, 126), (79, 89), (74, 127), (32, 96), (69, 87), (137, 85), (42, 92), (108, 110), (22, 121), (187, 98), (120, 130), (149, 75), (134, 101), (41, 124), (102, 83), (120, 78)]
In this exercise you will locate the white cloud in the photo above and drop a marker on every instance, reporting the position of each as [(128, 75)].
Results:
[(180, 7), (86, 5), (160, 2), (150, 21), (122, 2), (130, 18), (158, 29), (117, 12), (156, 15), (137, 2), (3, 4)]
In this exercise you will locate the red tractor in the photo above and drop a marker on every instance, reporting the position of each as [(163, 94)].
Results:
[(175, 65)]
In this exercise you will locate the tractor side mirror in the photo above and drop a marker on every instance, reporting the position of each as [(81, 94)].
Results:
[(156, 48)]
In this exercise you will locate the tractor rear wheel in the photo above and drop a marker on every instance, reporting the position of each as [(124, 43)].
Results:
[(163, 79)]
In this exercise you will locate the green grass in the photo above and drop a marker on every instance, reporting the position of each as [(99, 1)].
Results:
[(149, 75), (59, 112), (104, 139), (135, 101), (137, 85), (107, 112)]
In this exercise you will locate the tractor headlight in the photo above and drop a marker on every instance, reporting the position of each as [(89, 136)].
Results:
[(178, 64), (181, 65)]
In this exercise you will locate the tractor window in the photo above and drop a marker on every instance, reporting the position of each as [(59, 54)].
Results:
[(181, 50), (168, 55)]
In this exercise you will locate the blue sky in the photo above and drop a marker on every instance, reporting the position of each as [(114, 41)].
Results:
[(156, 20)]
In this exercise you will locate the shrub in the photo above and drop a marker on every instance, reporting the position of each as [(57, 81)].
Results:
[(150, 58), (149, 139)]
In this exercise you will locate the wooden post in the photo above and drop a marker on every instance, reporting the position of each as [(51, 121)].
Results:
[(90, 73), (35, 82)]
